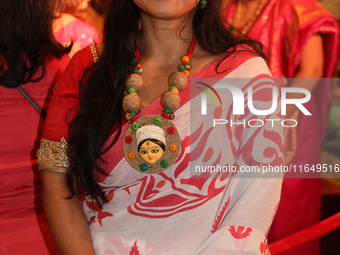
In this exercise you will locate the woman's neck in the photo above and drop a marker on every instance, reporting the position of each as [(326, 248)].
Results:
[(166, 39)]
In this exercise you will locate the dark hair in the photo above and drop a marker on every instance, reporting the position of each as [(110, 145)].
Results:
[(26, 38), (159, 143), (100, 6), (101, 105)]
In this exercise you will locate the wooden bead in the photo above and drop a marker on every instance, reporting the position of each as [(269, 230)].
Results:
[(134, 81), (179, 80), (171, 100), (131, 103)]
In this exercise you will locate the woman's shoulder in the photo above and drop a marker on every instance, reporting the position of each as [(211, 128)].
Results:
[(244, 63), (86, 55), (75, 69), (83, 58)]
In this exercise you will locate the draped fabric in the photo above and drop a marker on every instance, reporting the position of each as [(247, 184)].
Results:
[(284, 27), (23, 226), (171, 212)]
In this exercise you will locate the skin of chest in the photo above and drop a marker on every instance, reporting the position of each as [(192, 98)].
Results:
[(156, 74)]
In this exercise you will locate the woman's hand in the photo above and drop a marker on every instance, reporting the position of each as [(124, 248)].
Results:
[(65, 217)]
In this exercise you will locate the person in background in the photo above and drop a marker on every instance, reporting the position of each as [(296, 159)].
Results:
[(92, 12), (300, 39), (69, 28), (31, 63)]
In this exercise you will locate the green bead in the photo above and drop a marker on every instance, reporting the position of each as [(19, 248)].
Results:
[(181, 68), (134, 126), (131, 90), (167, 110), (136, 70), (143, 167), (203, 2), (190, 63), (157, 120), (173, 87), (134, 62), (133, 113), (164, 163)]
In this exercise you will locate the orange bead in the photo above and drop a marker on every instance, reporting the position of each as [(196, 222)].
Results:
[(185, 59), (134, 93), (186, 72), (175, 90), (132, 156), (173, 147)]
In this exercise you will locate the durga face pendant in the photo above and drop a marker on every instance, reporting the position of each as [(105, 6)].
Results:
[(151, 144)]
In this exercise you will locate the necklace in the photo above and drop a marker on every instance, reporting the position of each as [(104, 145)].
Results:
[(152, 143), (248, 25)]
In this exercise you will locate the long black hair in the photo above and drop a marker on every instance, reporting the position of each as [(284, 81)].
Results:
[(26, 38), (101, 96), (100, 6)]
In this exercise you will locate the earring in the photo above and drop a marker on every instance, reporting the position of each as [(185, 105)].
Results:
[(202, 4)]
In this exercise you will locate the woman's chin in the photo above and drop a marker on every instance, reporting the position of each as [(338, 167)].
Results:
[(166, 9)]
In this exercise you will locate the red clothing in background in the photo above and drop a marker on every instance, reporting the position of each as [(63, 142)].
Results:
[(23, 226), (77, 31)]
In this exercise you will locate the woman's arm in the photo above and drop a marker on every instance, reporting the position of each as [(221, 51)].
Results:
[(311, 66), (65, 217)]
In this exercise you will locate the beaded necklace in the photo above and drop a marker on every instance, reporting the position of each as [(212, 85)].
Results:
[(152, 142)]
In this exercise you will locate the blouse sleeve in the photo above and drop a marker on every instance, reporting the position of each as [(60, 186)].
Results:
[(53, 152), (250, 200)]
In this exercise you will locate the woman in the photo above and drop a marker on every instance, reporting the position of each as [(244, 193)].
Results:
[(300, 39), (69, 28), (30, 60), (130, 205), (93, 13)]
